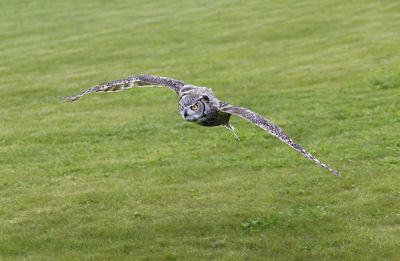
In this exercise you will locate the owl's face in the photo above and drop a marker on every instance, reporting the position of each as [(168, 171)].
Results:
[(191, 109)]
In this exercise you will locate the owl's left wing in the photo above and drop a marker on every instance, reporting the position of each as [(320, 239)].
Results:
[(272, 128), (143, 80)]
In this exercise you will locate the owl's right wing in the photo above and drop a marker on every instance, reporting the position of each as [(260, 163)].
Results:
[(273, 129), (143, 80)]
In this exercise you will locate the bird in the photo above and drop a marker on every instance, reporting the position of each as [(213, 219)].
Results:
[(199, 105)]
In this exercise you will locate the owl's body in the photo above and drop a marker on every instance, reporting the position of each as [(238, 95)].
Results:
[(207, 112), (199, 105)]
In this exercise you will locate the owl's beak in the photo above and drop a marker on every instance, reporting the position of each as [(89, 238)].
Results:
[(185, 113)]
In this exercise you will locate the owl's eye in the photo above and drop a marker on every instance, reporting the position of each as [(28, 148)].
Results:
[(194, 107), (181, 107)]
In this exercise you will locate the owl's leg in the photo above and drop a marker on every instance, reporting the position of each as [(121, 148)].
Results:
[(230, 127)]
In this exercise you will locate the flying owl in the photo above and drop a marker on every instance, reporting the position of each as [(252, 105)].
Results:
[(199, 105)]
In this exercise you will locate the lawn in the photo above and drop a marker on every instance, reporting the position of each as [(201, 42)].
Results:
[(121, 176)]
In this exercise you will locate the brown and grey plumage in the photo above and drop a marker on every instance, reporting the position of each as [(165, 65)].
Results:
[(199, 105)]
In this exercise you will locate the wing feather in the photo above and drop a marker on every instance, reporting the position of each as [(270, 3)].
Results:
[(273, 129), (143, 80)]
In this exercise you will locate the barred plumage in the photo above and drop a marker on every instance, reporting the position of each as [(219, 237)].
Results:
[(199, 105)]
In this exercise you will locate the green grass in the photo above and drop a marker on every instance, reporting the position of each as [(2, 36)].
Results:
[(121, 176)]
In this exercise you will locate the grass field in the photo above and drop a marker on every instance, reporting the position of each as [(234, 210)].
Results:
[(121, 176)]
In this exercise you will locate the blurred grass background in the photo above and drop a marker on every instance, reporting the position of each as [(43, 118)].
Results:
[(121, 176)]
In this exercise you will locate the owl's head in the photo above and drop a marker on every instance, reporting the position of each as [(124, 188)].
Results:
[(192, 107)]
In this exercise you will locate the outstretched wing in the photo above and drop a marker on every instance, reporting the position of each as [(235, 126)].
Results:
[(142, 80), (272, 128)]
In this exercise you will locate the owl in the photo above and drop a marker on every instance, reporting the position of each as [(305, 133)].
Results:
[(199, 105)]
